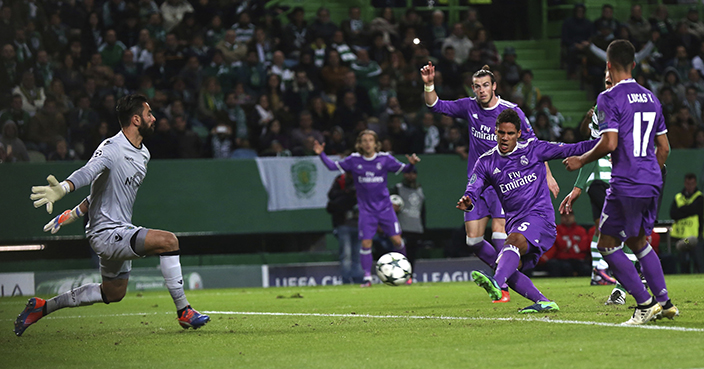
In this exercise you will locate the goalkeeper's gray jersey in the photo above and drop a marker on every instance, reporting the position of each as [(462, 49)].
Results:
[(115, 173)]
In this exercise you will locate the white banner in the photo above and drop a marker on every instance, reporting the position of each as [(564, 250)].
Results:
[(296, 183), (16, 284)]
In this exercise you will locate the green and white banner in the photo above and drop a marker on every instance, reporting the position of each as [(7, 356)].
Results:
[(295, 183)]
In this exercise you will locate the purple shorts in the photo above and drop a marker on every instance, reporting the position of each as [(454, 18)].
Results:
[(623, 217), (369, 223), (487, 205), (540, 233)]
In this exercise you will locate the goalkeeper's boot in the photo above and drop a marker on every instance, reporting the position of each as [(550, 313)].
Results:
[(189, 318), (645, 313), (669, 311), (30, 315), (539, 307), (505, 297), (488, 283)]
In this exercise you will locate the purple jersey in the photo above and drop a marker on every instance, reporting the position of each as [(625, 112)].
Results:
[(519, 176), (482, 123), (369, 176), (635, 113)]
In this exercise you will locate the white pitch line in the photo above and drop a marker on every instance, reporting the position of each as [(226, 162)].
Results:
[(510, 319), (542, 320)]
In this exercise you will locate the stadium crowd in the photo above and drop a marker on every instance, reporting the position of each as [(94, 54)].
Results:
[(228, 79)]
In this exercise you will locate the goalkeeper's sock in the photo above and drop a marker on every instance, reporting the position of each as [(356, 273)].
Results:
[(366, 259), (88, 294), (171, 270)]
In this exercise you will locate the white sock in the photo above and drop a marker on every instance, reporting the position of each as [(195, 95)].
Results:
[(88, 294), (171, 270)]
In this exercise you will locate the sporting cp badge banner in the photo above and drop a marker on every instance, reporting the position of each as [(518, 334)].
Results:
[(295, 183)]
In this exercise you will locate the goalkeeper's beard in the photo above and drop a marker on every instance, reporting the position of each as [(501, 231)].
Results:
[(145, 130)]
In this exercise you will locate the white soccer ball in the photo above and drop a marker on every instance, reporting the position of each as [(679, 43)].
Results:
[(398, 201), (393, 269)]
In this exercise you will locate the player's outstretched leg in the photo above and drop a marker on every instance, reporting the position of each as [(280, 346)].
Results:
[(30, 315)]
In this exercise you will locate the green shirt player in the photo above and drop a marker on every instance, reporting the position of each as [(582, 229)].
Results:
[(594, 177)]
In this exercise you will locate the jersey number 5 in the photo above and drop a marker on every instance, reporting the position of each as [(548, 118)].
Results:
[(524, 226), (640, 144)]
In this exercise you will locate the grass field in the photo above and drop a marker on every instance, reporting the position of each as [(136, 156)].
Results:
[(442, 325)]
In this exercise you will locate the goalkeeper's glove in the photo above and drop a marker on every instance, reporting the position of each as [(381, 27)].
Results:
[(66, 217), (49, 194)]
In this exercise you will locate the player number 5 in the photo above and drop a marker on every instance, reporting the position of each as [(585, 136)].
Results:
[(523, 226), (640, 145)]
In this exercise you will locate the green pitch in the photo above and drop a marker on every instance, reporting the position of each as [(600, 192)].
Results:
[(443, 325)]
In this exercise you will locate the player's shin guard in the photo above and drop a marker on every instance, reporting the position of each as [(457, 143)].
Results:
[(507, 263), (171, 270), (652, 271), (366, 259), (88, 294), (520, 283), (626, 273)]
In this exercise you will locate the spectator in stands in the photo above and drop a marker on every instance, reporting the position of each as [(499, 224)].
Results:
[(192, 74), (56, 35), (101, 73), (221, 141), (695, 80), (436, 32), (336, 144), (56, 91), (681, 131), (24, 54), (233, 115), (303, 132), (301, 90), (638, 26), (380, 94), (454, 143), (555, 118), (670, 105), (211, 101), (8, 24), (295, 35), (252, 75), (173, 11), (198, 49), (355, 29), (408, 97), (244, 27), (276, 97), (489, 53), (386, 27), (262, 115), (542, 128), (14, 148), (61, 151), (272, 133), (333, 73), (365, 70), (398, 135), (32, 96), (279, 68), (607, 18), (163, 143), (111, 50), (569, 253), (145, 8), (320, 114), (189, 145), (471, 23), (671, 78), (81, 122), (510, 70), (694, 25), (128, 32), (262, 45), (694, 106), (232, 51), (215, 32), (44, 127), (660, 21), (10, 70), (15, 113), (347, 54), (71, 77), (699, 139), (411, 19), (361, 95), (348, 113), (322, 26), (576, 32), (426, 138), (530, 93), (459, 41)]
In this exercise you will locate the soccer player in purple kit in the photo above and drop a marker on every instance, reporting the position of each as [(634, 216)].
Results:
[(481, 113), (369, 167), (633, 130), (516, 171)]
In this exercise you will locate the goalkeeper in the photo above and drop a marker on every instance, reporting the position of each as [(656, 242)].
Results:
[(114, 172)]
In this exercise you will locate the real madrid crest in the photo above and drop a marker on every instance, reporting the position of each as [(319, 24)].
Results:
[(524, 160), (378, 166)]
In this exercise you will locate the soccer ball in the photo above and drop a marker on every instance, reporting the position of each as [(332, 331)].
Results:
[(393, 269), (397, 200)]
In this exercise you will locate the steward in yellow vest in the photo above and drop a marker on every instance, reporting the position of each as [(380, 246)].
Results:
[(688, 212)]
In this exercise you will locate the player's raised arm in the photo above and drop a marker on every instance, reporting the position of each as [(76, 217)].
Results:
[(48, 195), (427, 73)]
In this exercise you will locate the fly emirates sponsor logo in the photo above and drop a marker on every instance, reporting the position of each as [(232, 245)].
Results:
[(484, 133), (516, 180), (370, 177)]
